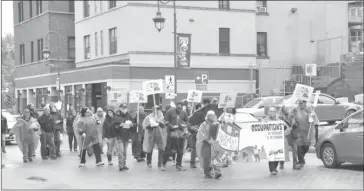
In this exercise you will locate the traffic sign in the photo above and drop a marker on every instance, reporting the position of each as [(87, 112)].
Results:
[(311, 70), (57, 84), (201, 77), (201, 87), (170, 86)]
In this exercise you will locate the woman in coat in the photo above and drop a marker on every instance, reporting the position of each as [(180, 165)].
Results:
[(86, 127), (154, 134), (108, 133)]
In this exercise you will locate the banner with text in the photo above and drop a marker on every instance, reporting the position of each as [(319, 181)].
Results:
[(183, 50)]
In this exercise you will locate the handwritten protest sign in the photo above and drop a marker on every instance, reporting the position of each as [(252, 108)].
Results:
[(116, 96), (228, 137), (194, 96), (153, 87), (302, 92), (227, 100), (137, 97)]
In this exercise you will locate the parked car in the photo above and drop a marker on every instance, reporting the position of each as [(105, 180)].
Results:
[(11, 119), (258, 106), (343, 143), (241, 117), (328, 109)]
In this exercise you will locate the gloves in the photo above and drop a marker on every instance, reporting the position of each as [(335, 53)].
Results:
[(84, 135), (81, 132)]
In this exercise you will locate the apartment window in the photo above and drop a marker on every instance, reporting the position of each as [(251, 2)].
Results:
[(30, 9), (224, 4), (86, 41), (261, 6), (31, 51), (71, 6), (112, 4), (100, 6), (86, 9), (224, 41), (22, 54), (40, 48), (101, 43), (262, 44), (39, 7), (20, 11), (71, 47), (113, 41), (96, 45)]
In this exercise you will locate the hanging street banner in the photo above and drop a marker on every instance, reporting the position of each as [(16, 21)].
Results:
[(227, 100), (194, 96), (302, 92), (137, 97), (183, 50), (153, 87), (116, 96), (170, 86)]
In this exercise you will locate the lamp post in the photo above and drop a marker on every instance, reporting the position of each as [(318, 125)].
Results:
[(46, 53), (159, 24)]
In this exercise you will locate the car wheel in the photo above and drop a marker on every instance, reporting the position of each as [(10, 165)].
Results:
[(328, 156), (349, 113)]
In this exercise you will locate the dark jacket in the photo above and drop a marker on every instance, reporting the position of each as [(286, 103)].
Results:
[(57, 116), (69, 124), (4, 125), (34, 114), (139, 126), (171, 116), (108, 129), (122, 133), (46, 123)]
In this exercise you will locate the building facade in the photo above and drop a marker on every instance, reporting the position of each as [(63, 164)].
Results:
[(35, 81), (355, 23)]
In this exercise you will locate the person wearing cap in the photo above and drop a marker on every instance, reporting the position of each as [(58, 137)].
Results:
[(123, 123), (177, 123), (58, 128), (24, 131), (100, 118), (304, 117), (137, 134), (154, 135), (47, 137)]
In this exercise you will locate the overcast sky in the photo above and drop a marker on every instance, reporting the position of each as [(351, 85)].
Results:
[(7, 23)]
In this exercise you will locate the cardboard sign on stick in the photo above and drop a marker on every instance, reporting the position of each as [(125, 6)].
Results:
[(227, 100), (153, 87), (138, 97), (194, 96), (302, 92)]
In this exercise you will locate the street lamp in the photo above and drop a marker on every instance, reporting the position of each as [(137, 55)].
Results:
[(159, 24), (46, 53)]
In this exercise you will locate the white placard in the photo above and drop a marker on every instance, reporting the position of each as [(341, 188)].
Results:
[(311, 70), (194, 96), (227, 100), (153, 87), (170, 86), (317, 94), (117, 96), (137, 97), (302, 92)]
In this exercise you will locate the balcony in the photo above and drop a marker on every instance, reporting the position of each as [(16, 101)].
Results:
[(355, 20)]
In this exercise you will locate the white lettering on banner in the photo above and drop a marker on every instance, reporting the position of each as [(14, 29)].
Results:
[(226, 141)]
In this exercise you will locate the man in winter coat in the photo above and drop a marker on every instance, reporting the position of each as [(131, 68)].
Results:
[(123, 123), (58, 128), (4, 129), (137, 134), (193, 130), (47, 137)]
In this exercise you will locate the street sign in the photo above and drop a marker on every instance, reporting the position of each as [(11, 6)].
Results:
[(201, 77), (57, 84), (310, 70), (170, 86), (201, 87)]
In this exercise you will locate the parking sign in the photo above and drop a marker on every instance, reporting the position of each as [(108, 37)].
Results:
[(201, 77)]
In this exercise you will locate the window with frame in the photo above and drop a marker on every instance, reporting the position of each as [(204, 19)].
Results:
[(31, 51), (40, 49), (356, 118), (101, 43), (86, 41), (71, 6), (71, 47), (261, 4), (95, 7), (224, 4), (224, 40), (86, 9), (326, 100), (22, 54), (30, 9), (112, 4), (113, 40), (39, 7), (96, 44), (20, 12), (262, 44), (101, 6)]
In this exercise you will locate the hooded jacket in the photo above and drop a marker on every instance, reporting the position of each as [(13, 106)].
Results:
[(122, 133), (108, 128)]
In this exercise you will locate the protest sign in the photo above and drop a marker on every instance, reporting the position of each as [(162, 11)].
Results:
[(153, 87), (302, 92), (116, 96), (228, 136), (137, 97), (194, 96), (317, 94), (227, 100)]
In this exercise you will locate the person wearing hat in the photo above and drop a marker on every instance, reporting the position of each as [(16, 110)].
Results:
[(123, 123), (100, 118), (24, 131), (47, 137), (137, 134), (58, 128)]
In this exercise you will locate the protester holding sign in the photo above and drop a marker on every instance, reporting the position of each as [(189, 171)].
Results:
[(137, 134), (109, 134), (192, 140), (228, 117)]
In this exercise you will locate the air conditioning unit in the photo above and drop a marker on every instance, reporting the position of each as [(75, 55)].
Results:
[(262, 9)]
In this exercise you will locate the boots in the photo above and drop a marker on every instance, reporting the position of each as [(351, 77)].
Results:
[(109, 158)]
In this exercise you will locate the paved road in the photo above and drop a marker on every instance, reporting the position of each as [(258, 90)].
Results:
[(64, 173)]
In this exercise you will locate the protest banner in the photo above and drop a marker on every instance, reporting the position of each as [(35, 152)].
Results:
[(137, 97), (116, 96), (228, 136), (194, 96), (302, 92), (152, 87), (227, 100)]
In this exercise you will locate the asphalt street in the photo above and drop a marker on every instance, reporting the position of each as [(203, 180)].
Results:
[(64, 173)]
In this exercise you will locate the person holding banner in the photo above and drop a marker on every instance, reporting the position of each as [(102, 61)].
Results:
[(206, 147), (137, 134), (228, 117), (154, 135), (192, 140), (58, 128)]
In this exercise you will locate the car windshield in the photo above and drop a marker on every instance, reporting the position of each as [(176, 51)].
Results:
[(356, 118), (244, 117), (252, 103), (8, 116), (271, 101)]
